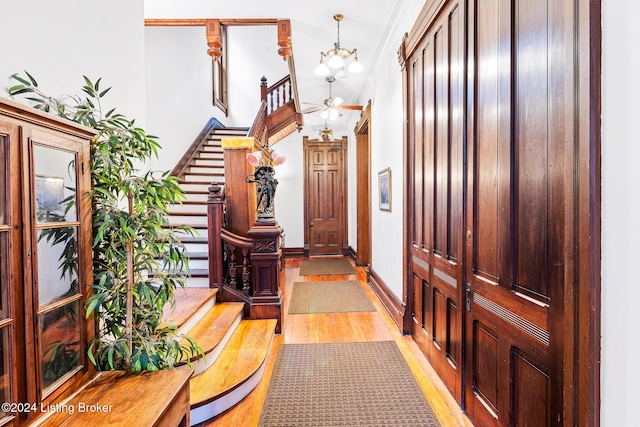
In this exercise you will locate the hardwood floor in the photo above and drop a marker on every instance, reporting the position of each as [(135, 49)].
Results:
[(342, 327)]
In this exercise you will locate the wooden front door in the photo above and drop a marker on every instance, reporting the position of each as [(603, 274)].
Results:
[(325, 187), (500, 171)]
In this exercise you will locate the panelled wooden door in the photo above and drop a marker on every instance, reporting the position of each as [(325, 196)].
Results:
[(492, 214), (520, 204), (436, 83), (324, 197)]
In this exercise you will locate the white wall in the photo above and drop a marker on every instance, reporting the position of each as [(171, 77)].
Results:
[(59, 42), (384, 88), (620, 372), (179, 82)]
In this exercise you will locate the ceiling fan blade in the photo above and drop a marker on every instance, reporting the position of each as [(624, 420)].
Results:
[(312, 110), (350, 107), (311, 103)]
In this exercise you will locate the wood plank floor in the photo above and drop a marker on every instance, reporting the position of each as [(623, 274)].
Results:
[(342, 327)]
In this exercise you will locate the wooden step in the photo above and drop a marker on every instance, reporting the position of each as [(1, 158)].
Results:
[(212, 332), (208, 162), (235, 374), (210, 155), (198, 186), (205, 169), (190, 306), (178, 219), (190, 208), (204, 178)]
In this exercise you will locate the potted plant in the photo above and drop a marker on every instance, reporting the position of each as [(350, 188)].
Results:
[(130, 291)]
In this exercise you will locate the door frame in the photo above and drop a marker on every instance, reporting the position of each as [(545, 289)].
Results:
[(306, 145), (362, 131)]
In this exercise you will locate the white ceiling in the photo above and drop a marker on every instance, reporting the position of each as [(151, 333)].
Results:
[(313, 30)]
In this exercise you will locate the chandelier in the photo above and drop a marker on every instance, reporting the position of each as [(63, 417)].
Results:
[(336, 58), (326, 134)]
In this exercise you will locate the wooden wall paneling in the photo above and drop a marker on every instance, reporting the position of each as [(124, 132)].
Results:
[(240, 195), (527, 209), (436, 161)]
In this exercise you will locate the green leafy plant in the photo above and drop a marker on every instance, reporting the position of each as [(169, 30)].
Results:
[(115, 151)]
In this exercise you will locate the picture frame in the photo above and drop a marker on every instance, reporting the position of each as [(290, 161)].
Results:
[(384, 189)]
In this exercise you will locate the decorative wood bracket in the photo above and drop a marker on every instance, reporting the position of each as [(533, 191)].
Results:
[(214, 38), (284, 38)]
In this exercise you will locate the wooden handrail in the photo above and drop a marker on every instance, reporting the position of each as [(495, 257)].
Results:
[(258, 129), (236, 240)]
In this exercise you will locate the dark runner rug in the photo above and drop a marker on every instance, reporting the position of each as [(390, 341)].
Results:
[(367, 384), (342, 296), (319, 267)]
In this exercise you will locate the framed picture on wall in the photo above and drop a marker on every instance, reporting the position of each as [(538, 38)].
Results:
[(384, 189)]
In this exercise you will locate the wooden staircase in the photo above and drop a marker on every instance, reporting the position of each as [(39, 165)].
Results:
[(205, 167), (235, 350)]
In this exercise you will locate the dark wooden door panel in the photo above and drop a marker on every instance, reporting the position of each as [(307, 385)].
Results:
[(324, 211), (516, 232), (502, 197), (436, 152)]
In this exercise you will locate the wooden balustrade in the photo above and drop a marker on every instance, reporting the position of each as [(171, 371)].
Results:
[(237, 247), (245, 268), (283, 114)]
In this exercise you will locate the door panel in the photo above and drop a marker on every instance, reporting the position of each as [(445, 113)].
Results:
[(515, 265), (497, 151), (436, 152), (324, 213)]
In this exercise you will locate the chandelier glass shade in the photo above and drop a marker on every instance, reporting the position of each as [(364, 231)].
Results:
[(335, 58)]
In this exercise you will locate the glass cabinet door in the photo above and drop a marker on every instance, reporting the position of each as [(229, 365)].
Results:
[(6, 318), (57, 283)]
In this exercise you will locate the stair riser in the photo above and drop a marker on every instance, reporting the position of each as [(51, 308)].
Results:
[(207, 179), (206, 169), (197, 187), (218, 406), (211, 148), (201, 364), (178, 209), (210, 163), (197, 197), (207, 155), (195, 318), (197, 282), (184, 219), (199, 264)]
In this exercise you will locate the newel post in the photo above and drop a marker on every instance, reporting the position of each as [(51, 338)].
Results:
[(265, 258), (263, 88), (215, 218)]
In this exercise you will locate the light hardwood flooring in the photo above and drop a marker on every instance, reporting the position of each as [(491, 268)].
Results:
[(340, 327)]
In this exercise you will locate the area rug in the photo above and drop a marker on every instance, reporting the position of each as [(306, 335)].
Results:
[(342, 296), (322, 266), (367, 384)]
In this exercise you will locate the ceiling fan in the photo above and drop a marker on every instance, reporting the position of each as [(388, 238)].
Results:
[(331, 107)]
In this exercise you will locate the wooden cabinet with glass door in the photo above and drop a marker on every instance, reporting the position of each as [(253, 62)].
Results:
[(45, 260)]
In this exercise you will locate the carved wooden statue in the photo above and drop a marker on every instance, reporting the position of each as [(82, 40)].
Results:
[(265, 191)]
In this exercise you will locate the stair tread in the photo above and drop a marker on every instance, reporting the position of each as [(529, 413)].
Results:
[(188, 301), (213, 326), (241, 357)]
